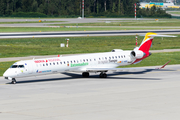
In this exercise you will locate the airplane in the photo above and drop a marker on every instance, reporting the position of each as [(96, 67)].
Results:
[(85, 63)]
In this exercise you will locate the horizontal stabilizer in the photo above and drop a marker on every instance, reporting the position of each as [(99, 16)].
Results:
[(152, 35), (164, 65), (161, 36)]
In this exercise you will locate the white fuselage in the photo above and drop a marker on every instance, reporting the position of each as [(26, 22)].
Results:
[(76, 63)]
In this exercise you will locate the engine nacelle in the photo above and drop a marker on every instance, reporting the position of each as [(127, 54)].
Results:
[(117, 50), (138, 54)]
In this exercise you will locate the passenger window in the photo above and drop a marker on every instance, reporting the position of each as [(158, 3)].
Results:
[(80, 60), (64, 62), (71, 61), (90, 59), (83, 60), (43, 64), (53, 63), (49, 63), (57, 63), (124, 56), (77, 61), (94, 59), (60, 62), (46, 64), (109, 57), (106, 58), (87, 60), (112, 57), (99, 58), (115, 56), (119, 56), (74, 61)]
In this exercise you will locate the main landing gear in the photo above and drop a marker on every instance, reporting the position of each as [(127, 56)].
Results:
[(103, 75), (85, 74), (13, 81)]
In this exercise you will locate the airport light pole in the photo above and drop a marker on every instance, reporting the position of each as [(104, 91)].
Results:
[(82, 8), (135, 10)]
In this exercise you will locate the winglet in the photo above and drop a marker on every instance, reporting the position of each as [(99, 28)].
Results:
[(164, 65)]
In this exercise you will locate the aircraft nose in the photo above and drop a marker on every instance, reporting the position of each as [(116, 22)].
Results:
[(5, 74), (9, 73)]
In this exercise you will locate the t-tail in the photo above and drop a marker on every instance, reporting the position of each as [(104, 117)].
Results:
[(142, 51)]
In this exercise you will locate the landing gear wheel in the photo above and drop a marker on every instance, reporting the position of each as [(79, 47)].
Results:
[(13, 81), (85, 74), (103, 75)]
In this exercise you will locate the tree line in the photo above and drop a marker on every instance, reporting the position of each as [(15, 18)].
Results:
[(111, 8)]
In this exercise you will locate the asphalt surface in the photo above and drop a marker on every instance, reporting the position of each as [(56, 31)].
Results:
[(125, 95), (172, 13), (85, 33), (66, 20)]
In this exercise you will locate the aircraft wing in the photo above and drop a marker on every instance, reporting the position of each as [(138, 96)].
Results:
[(119, 69)]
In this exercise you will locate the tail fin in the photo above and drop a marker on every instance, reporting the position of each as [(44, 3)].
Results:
[(143, 50), (147, 41)]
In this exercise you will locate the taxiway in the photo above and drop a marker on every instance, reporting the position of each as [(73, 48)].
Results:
[(85, 33), (124, 95)]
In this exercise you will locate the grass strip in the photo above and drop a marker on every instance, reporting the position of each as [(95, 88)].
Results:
[(4, 66), (175, 12), (20, 47), (31, 22)]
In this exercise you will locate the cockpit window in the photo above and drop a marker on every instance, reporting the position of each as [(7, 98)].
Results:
[(20, 66), (14, 66), (17, 66)]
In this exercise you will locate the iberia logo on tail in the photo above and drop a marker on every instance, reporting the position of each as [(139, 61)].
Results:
[(146, 43)]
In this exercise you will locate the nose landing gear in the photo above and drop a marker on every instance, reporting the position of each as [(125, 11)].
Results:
[(13, 81)]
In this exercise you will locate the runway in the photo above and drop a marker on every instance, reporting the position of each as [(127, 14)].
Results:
[(84, 33), (126, 95), (59, 21)]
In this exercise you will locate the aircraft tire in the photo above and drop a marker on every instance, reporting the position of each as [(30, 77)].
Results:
[(85, 74), (103, 75), (13, 81)]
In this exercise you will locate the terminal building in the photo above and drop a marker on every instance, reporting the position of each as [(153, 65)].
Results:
[(164, 5)]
